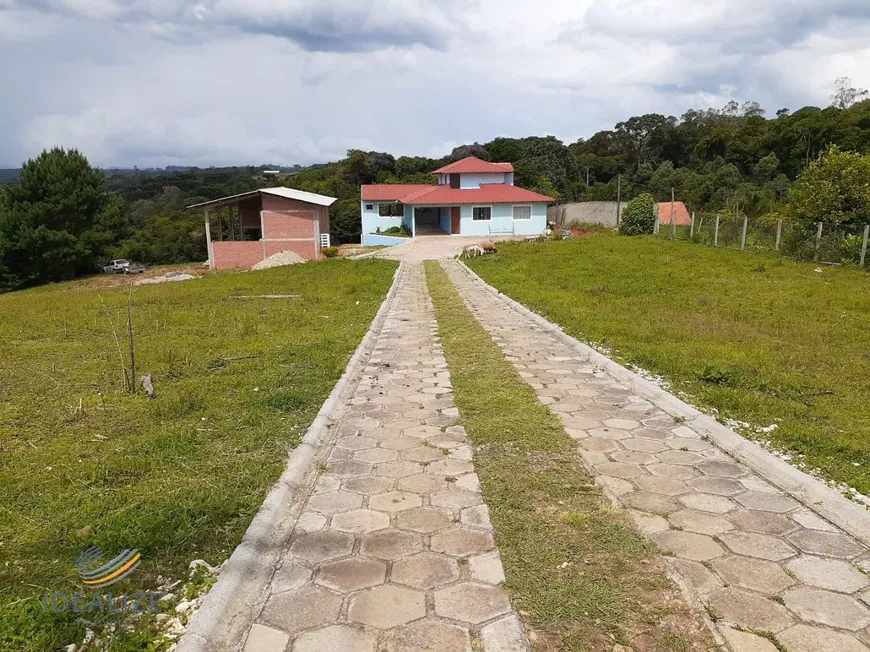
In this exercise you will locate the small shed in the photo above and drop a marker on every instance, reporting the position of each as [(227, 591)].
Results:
[(242, 230)]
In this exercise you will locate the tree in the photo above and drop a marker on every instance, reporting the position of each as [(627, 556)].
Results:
[(636, 134), (845, 95), (57, 222), (639, 216), (833, 189)]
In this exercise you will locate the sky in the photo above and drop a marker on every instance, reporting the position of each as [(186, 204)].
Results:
[(237, 82)]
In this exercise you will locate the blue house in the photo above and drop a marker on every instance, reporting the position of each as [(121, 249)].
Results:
[(472, 198)]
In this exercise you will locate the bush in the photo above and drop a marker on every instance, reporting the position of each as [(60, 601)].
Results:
[(639, 216), (330, 252)]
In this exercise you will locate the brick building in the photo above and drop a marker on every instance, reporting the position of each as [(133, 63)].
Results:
[(244, 229)]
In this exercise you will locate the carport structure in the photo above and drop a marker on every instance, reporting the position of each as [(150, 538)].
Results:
[(251, 226)]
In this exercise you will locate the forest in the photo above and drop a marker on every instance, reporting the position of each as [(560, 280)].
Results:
[(713, 159)]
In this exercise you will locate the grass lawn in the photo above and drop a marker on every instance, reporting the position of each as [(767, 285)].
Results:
[(759, 338), (179, 477), (579, 576)]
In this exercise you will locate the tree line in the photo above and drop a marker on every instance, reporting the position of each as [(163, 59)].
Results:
[(63, 218)]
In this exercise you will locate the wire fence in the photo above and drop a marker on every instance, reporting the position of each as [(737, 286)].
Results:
[(822, 243)]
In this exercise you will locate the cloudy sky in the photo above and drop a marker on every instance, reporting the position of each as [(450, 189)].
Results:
[(216, 82)]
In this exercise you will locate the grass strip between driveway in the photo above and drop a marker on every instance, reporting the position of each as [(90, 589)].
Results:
[(580, 577)]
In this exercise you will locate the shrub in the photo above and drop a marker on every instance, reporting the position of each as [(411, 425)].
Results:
[(330, 252), (639, 216)]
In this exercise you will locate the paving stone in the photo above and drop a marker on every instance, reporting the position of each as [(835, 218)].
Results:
[(620, 470), (753, 574), (395, 501), (803, 638), (322, 546), (424, 519), (609, 433), (827, 608), (449, 467), (391, 544), (335, 639), (400, 443), (421, 432), (334, 502), (427, 634), (387, 606), (486, 568), (762, 522), (360, 521), (647, 523), (296, 611), (422, 483), (622, 424), (700, 522), (749, 610), (686, 458), (757, 545), (672, 471), (369, 484), (632, 457), (504, 635), (309, 522), (266, 639), (649, 502), (425, 571), (828, 544), (653, 433), (746, 641), (422, 454), (681, 443), (351, 574), (722, 469), (697, 577), (398, 469), (664, 486), (290, 576), (326, 484), (376, 455), (643, 445), (832, 574), (808, 519), (356, 443), (719, 486), (471, 602), (617, 486), (708, 503), (462, 542), (455, 499), (767, 502), (688, 545), (599, 445)]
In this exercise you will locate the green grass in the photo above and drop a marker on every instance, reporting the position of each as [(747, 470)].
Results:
[(179, 477), (580, 577), (759, 338)]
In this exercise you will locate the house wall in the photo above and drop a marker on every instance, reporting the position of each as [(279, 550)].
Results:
[(371, 221), (444, 218), (237, 255), (474, 179), (503, 222), (249, 212)]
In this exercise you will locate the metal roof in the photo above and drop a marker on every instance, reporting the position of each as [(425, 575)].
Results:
[(391, 191), (280, 191)]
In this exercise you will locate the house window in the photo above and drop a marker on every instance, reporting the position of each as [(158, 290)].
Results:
[(481, 213), (522, 212), (370, 207), (391, 210)]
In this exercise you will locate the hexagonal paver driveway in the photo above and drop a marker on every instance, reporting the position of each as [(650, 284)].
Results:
[(384, 532)]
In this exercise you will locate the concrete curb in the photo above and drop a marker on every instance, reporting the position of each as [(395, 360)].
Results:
[(242, 587), (813, 493)]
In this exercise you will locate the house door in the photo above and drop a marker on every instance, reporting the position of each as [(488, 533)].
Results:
[(454, 219)]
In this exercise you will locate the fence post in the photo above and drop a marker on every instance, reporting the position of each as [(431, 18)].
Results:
[(656, 225), (778, 233), (716, 233), (818, 242), (692, 227), (864, 246), (743, 237), (673, 219)]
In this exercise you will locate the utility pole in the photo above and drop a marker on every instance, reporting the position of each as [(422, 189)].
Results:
[(587, 175), (618, 197)]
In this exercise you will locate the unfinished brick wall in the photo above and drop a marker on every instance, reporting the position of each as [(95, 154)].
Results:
[(237, 255), (288, 226)]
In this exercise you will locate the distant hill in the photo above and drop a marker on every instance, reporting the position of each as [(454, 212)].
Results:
[(8, 176)]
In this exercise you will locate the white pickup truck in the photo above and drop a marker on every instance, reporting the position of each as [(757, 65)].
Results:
[(123, 266)]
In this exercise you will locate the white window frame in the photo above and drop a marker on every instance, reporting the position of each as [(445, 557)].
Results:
[(521, 219), (489, 219)]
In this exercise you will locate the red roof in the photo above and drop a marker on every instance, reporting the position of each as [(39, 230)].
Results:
[(474, 164), (681, 213), (390, 192), (488, 193)]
